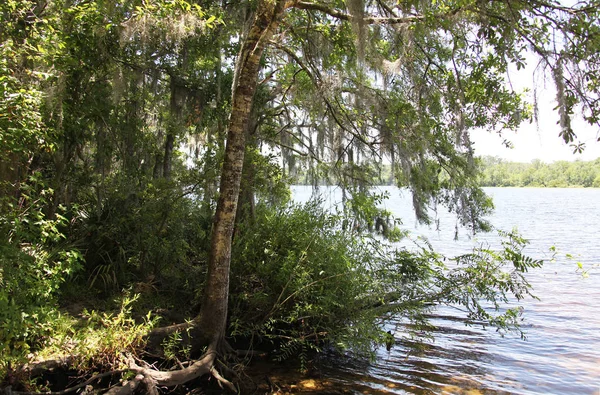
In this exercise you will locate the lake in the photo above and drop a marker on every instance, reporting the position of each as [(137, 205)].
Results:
[(561, 354)]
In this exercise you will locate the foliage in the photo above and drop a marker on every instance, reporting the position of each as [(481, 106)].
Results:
[(156, 232), (487, 280), (301, 282), (98, 338), (35, 261), (496, 172), (174, 347), (297, 280), (113, 119), (76, 204)]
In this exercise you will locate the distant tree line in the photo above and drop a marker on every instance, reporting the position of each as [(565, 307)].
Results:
[(496, 172)]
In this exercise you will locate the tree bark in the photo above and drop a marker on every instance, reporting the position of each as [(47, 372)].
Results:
[(169, 142), (174, 127), (246, 202), (213, 314)]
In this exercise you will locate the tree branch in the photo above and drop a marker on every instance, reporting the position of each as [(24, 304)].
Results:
[(370, 20)]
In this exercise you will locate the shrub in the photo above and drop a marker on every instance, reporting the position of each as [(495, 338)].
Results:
[(300, 281), (35, 261)]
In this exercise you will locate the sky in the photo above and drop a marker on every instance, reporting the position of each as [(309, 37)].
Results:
[(539, 141)]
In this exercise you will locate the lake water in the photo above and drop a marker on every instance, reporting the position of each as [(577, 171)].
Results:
[(561, 354)]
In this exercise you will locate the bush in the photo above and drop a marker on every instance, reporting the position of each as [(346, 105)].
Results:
[(35, 261), (300, 282), (157, 232)]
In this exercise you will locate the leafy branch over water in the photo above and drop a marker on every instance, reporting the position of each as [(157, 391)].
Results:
[(487, 281), (315, 279)]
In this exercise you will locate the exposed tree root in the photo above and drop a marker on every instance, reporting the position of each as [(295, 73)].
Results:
[(222, 380), (128, 387), (176, 377), (156, 378), (146, 376)]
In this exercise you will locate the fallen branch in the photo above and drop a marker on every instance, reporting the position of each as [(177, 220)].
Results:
[(157, 335), (35, 369)]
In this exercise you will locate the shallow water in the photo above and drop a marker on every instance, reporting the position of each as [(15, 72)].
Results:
[(561, 354)]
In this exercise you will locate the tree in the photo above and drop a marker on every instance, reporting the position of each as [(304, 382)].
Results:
[(454, 53), (213, 316)]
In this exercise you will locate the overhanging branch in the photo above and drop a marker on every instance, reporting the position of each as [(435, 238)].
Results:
[(373, 20), (370, 20)]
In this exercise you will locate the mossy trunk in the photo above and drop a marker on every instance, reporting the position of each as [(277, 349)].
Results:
[(213, 315)]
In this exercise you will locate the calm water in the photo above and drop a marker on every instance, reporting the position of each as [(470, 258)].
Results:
[(562, 352)]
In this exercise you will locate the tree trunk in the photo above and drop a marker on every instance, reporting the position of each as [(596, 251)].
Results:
[(246, 202), (213, 315), (157, 171), (169, 142), (131, 128), (174, 128)]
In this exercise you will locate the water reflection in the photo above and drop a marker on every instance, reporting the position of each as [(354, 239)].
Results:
[(463, 360)]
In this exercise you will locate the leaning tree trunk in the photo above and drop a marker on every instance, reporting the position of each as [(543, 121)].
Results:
[(213, 315)]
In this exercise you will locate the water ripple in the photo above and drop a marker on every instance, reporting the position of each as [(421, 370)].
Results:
[(562, 352)]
